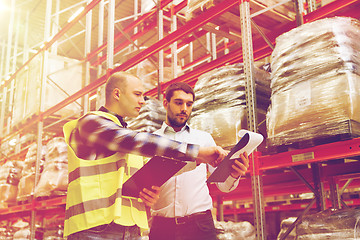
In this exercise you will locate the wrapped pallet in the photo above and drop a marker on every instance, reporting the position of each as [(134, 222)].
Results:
[(10, 174), (235, 230), (284, 226), (315, 82), (27, 181), (220, 104), (151, 117), (64, 78), (195, 7), (330, 224), (54, 178)]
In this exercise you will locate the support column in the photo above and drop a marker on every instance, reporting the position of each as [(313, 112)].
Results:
[(87, 50), (220, 208), (161, 52), (174, 56), (110, 34), (256, 178), (318, 186)]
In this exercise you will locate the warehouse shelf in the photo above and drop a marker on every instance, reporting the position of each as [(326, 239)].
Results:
[(261, 49)]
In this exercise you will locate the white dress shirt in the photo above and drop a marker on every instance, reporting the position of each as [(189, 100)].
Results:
[(188, 193)]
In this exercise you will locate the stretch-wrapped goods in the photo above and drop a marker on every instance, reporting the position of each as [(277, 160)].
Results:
[(315, 81), (54, 178), (150, 118), (10, 174), (330, 224), (235, 230), (220, 104), (27, 181)]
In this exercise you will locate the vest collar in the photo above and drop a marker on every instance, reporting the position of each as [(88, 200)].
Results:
[(123, 123)]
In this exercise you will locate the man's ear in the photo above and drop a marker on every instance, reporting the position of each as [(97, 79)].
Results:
[(116, 93), (165, 103)]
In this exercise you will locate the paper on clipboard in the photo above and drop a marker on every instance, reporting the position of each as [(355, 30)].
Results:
[(248, 143), (154, 173)]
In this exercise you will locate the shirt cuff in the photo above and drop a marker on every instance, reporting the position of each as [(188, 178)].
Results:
[(191, 151)]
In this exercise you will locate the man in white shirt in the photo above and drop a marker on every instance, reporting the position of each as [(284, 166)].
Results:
[(183, 209)]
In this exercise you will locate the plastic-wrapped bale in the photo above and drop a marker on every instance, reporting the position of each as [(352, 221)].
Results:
[(54, 233), (27, 181), (195, 7), (330, 224), (235, 230), (315, 82), (220, 104), (284, 226), (150, 118), (54, 178), (10, 174)]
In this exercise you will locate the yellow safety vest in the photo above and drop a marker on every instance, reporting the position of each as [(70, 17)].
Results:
[(94, 191)]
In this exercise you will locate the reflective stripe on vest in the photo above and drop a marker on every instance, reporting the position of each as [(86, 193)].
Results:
[(94, 190)]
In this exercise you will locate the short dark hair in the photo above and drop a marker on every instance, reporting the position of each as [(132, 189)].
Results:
[(178, 86)]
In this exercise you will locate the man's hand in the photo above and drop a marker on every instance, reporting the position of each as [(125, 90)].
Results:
[(240, 167), (150, 197), (212, 155)]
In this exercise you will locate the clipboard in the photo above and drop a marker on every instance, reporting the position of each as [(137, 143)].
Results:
[(154, 173), (248, 142)]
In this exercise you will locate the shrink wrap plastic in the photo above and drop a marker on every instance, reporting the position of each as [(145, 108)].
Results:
[(10, 174), (63, 79), (285, 224), (193, 6), (315, 81), (235, 231), (220, 105), (54, 178), (150, 118), (54, 233), (330, 224), (27, 181)]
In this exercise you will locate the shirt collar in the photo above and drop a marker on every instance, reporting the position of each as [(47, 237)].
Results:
[(164, 128), (104, 109)]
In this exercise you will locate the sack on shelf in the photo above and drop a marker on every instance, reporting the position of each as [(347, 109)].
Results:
[(235, 230), (10, 174), (27, 181), (150, 118), (195, 7), (285, 224), (315, 82), (54, 178), (330, 224), (63, 79), (220, 104)]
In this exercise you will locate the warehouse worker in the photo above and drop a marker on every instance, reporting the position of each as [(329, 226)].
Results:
[(183, 210), (103, 154)]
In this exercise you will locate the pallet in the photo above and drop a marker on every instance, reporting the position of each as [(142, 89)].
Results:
[(353, 131)]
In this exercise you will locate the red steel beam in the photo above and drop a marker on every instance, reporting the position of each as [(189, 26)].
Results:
[(260, 46), (54, 39), (123, 44), (181, 32), (131, 26), (336, 150)]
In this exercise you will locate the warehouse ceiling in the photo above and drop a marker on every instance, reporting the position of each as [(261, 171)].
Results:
[(29, 27), (29, 23)]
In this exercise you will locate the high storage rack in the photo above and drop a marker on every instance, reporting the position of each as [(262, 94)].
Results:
[(99, 61)]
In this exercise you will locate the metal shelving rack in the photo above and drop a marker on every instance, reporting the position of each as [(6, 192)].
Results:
[(251, 50)]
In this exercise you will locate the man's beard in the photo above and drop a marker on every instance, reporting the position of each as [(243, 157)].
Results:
[(175, 123)]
